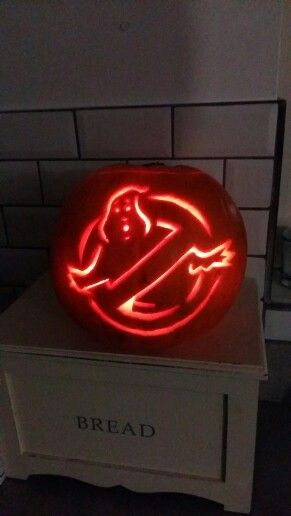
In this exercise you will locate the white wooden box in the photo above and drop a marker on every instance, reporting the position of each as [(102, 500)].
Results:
[(182, 419)]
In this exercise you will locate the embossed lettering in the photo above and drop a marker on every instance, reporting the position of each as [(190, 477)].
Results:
[(96, 424), (147, 430), (82, 422), (112, 426), (128, 428)]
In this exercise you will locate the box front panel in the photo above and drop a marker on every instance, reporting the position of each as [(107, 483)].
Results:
[(119, 423)]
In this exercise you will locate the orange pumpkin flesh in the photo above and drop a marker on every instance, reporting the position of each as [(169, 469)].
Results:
[(150, 253)]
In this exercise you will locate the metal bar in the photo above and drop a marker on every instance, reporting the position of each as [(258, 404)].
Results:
[(141, 158), (250, 208), (284, 306), (143, 106), (172, 131), (272, 225)]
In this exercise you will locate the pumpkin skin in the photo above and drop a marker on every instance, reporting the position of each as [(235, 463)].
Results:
[(148, 254)]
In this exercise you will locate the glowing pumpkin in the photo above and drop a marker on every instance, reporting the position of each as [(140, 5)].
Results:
[(149, 252)]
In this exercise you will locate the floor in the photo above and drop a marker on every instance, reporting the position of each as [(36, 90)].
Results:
[(57, 496)]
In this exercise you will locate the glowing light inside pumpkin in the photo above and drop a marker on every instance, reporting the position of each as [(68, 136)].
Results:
[(121, 222)]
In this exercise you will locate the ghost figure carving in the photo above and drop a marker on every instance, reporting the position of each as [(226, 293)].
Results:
[(140, 265)]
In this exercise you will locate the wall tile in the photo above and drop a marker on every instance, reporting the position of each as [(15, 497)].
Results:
[(59, 178), (21, 266), (125, 133), (249, 182), (280, 294), (213, 167), (278, 325), (3, 239), (7, 296), (37, 135), (233, 130), (19, 183), (279, 373), (256, 269), (256, 224), (30, 227)]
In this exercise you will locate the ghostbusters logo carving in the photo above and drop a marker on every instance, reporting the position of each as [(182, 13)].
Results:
[(139, 265)]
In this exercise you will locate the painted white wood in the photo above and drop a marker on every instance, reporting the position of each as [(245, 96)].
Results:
[(137, 480), (21, 330), (106, 439), (14, 463), (108, 419), (169, 399), (241, 438)]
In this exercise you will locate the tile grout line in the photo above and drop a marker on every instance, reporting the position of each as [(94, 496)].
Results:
[(224, 173), (77, 133)]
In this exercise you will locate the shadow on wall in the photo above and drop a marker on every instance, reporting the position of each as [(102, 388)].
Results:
[(128, 53)]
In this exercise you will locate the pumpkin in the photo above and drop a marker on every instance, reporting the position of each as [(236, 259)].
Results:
[(148, 253)]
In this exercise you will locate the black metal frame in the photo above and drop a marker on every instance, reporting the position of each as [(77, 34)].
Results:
[(276, 157), (274, 205)]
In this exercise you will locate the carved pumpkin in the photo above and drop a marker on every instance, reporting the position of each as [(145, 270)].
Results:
[(149, 252)]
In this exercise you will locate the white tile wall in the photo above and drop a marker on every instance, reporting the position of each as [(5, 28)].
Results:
[(60, 177), (140, 135), (213, 167), (249, 182), (256, 269), (125, 133), (37, 135), (19, 183), (278, 325), (279, 372), (21, 266), (233, 130), (256, 224), (30, 227)]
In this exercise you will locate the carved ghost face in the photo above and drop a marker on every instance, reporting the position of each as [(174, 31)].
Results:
[(150, 254)]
